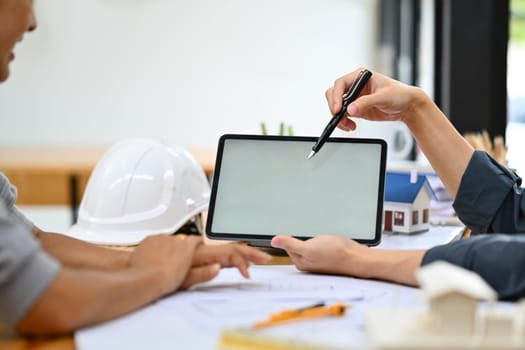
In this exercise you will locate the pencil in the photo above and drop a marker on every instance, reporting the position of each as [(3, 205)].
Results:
[(289, 315)]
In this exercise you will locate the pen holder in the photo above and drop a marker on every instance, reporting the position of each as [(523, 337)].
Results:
[(496, 147)]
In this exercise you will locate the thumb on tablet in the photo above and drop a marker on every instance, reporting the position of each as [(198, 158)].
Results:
[(287, 243)]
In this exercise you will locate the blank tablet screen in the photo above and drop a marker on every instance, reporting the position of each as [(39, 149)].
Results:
[(265, 185)]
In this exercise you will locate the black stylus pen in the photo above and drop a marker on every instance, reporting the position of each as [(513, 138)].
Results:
[(352, 93)]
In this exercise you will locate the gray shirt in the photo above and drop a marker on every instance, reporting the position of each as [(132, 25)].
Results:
[(491, 202), (25, 269)]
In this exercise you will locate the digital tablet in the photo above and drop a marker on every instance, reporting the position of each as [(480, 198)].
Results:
[(265, 186)]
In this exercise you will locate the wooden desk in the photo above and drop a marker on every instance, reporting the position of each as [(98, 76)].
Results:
[(58, 176), (65, 342)]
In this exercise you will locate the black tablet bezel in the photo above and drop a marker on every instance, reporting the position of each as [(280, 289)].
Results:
[(264, 240)]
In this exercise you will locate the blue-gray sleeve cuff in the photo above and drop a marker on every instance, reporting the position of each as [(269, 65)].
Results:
[(498, 259), (484, 187)]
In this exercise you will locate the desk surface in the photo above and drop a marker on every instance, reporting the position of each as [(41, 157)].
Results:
[(65, 342), (437, 235)]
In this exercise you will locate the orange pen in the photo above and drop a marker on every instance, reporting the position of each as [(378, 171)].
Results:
[(290, 315)]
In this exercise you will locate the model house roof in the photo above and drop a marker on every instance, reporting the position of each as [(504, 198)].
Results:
[(399, 188), (440, 278)]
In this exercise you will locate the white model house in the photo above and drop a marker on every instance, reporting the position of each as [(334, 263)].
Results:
[(406, 206), (454, 318), (453, 294)]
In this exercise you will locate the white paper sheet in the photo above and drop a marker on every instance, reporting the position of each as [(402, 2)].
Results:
[(195, 319)]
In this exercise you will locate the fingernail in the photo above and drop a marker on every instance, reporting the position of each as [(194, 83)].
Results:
[(352, 109), (265, 256)]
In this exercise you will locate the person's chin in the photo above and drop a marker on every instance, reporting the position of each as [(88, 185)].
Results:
[(4, 70), (4, 74)]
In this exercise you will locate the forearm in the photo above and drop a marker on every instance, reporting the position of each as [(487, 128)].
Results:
[(342, 256), (76, 253), (397, 266), (447, 151), (80, 297)]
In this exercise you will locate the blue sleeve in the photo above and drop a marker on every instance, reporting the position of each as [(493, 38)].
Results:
[(490, 198), (498, 259)]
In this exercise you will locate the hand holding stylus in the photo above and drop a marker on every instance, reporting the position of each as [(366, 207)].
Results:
[(350, 96)]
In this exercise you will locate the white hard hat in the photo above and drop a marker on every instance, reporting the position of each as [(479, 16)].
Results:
[(140, 187)]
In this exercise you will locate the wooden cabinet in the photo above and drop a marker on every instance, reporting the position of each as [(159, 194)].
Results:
[(58, 176)]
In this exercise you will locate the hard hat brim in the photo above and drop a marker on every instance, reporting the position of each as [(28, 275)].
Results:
[(106, 238)]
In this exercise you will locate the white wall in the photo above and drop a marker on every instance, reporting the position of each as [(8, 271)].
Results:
[(98, 71)]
